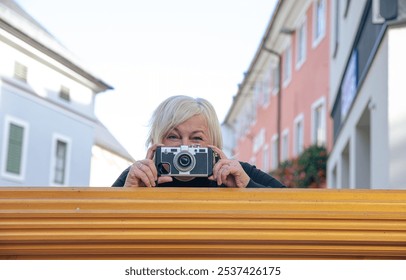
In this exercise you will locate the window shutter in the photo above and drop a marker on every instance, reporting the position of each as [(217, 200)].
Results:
[(14, 152), (20, 71), (64, 93)]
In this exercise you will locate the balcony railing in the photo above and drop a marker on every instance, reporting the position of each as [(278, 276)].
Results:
[(201, 223)]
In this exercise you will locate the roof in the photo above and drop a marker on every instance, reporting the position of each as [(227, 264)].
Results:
[(19, 23), (104, 139), (13, 6)]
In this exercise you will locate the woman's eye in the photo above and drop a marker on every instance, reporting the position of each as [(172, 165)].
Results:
[(171, 137), (198, 138)]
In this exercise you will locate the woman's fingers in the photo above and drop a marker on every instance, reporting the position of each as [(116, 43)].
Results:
[(230, 173), (222, 175), (145, 173), (217, 167), (142, 173), (164, 179)]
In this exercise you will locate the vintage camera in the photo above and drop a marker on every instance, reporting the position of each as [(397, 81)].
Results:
[(193, 161)]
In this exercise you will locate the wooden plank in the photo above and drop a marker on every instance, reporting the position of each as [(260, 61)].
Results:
[(201, 223)]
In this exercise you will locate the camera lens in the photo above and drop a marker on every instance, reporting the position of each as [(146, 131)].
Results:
[(184, 160)]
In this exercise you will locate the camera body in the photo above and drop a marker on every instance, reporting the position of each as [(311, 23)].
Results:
[(192, 161)]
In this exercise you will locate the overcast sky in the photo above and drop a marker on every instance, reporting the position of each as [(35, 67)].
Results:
[(151, 49)]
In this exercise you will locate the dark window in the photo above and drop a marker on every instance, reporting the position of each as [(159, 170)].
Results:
[(60, 162)]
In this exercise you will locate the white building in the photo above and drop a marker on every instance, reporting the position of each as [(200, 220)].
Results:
[(109, 158), (368, 94), (47, 120)]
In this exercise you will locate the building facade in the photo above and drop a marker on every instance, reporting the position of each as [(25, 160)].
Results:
[(109, 158), (368, 94), (47, 120), (282, 104)]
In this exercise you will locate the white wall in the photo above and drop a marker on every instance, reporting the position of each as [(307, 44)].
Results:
[(372, 97), (397, 106)]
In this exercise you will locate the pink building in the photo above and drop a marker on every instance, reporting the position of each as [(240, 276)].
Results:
[(282, 104)]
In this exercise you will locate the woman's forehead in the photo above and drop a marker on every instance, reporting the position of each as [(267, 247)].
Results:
[(195, 123)]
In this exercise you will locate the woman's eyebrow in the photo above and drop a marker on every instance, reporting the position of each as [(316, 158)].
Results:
[(198, 131)]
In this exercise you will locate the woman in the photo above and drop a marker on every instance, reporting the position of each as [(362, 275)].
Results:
[(183, 120)]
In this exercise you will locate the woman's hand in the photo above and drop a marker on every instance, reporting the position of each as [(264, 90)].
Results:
[(229, 172), (143, 173)]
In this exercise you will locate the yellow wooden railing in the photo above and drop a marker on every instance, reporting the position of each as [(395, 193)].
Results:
[(201, 223)]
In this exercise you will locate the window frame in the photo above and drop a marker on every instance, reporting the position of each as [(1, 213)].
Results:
[(274, 151), (55, 138), (321, 102), (285, 146), (276, 72), (318, 37), (267, 88), (265, 158), (287, 64), (301, 45), (297, 148)]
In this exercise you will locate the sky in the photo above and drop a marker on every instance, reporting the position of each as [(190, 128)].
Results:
[(151, 49)]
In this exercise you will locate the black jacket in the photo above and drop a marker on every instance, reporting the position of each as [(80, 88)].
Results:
[(259, 179)]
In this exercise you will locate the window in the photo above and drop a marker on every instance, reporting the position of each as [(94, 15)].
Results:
[(301, 44), (64, 93), (60, 160), (259, 141), (336, 27), (267, 84), (319, 122), (14, 148), (251, 112), (347, 7), (319, 21), (265, 159), (287, 66), (285, 145), (258, 91), (299, 135), (245, 119), (20, 71), (266, 90), (275, 151), (275, 79)]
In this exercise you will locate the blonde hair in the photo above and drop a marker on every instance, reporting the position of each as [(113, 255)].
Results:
[(177, 109)]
